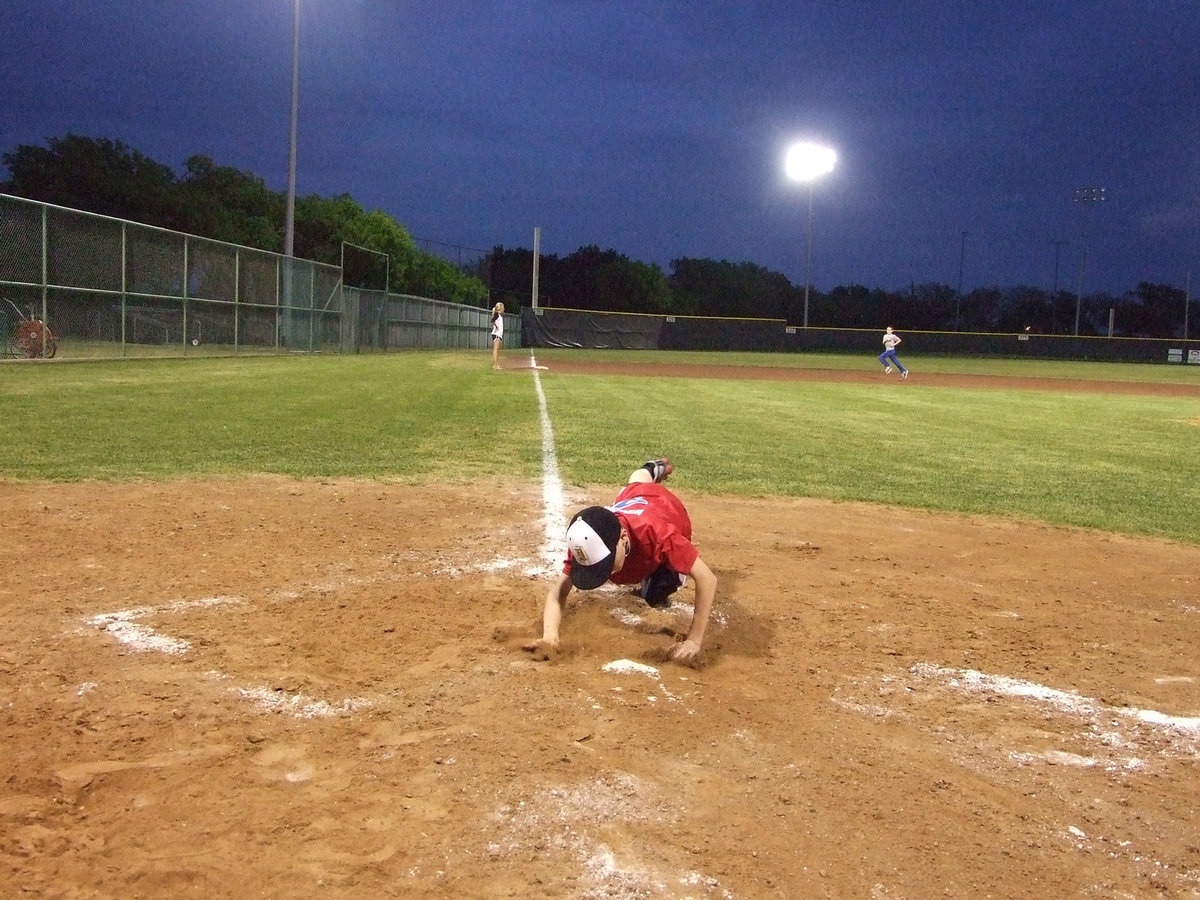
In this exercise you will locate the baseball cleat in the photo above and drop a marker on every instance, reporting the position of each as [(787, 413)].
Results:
[(659, 469), (887, 370)]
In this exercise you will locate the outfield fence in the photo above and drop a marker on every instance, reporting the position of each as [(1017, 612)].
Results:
[(105, 287), (585, 328)]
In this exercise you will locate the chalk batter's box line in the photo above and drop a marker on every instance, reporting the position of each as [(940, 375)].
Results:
[(1181, 733), (126, 627)]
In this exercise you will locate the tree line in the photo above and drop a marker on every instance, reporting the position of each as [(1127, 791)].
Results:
[(598, 279), (102, 176), (219, 202)]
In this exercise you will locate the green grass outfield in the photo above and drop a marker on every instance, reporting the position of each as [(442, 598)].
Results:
[(1119, 462)]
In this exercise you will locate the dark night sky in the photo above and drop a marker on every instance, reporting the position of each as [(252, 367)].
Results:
[(658, 128)]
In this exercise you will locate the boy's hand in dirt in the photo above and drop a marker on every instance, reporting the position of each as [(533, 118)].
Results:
[(542, 650), (685, 651)]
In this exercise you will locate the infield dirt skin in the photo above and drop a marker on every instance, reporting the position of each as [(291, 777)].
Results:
[(275, 688)]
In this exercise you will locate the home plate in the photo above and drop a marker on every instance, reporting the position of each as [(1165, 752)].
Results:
[(624, 666)]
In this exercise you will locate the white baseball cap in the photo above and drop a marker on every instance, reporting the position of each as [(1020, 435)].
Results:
[(592, 544)]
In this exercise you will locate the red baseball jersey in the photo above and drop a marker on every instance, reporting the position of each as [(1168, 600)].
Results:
[(659, 532)]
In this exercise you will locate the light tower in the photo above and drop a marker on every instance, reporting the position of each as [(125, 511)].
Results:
[(806, 162), (1086, 196)]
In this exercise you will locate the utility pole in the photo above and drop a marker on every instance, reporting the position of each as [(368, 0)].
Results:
[(1086, 196), (962, 253), (1187, 301), (1058, 243)]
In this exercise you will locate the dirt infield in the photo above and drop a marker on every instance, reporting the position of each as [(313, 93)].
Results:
[(276, 688)]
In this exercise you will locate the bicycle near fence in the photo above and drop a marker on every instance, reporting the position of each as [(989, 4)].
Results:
[(24, 336)]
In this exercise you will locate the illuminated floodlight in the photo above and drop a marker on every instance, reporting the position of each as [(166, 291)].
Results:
[(805, 162)]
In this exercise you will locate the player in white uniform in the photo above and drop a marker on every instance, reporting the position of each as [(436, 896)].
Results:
[(888, 356), (497, 333)]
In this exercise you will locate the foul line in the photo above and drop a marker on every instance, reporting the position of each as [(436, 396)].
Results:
[(553, 519), (126, 625)]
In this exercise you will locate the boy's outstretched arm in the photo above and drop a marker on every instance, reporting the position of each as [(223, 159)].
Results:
[(706, 590), (552, 613)]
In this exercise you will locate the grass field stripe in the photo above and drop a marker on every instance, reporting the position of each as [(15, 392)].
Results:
[(553, 517)]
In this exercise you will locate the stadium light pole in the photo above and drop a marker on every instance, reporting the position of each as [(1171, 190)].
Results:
[(289, 224), (1086, 196), (806, 162)]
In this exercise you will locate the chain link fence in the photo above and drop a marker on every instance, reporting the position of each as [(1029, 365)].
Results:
[(99, 287)]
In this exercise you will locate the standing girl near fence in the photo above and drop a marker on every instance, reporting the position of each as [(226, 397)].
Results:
[(497, 333)]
